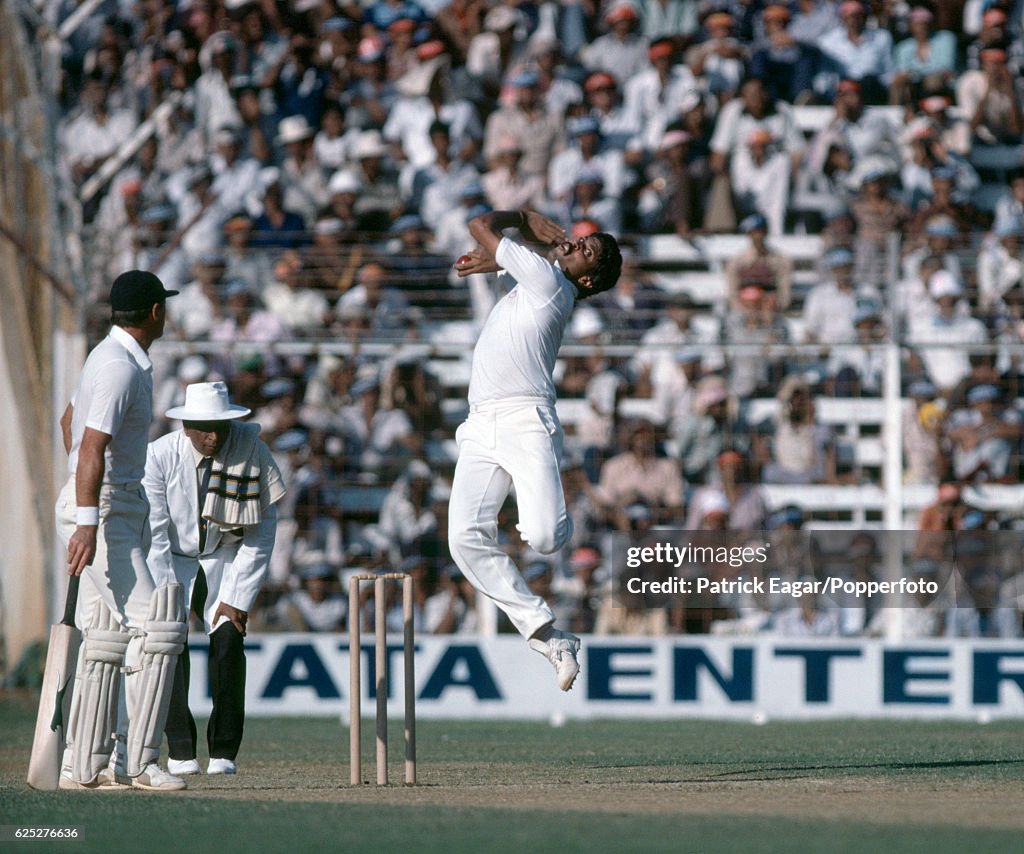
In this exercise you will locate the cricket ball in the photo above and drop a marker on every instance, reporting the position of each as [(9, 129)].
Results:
[(463, 261)]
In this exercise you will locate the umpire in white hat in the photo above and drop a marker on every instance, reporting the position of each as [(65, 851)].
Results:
[(213, 487)]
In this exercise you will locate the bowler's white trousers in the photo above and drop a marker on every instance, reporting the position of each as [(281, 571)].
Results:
[(516, 442)]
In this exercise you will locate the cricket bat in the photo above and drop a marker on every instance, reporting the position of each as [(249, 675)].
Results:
[(55, 700)]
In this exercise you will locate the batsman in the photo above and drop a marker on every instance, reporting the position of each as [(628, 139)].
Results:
[(129, 625)]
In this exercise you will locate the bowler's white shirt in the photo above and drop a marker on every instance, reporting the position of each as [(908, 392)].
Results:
[(115, 396), (515, 354)]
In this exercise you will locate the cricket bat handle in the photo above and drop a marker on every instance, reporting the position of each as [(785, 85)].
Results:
[(71, 601)]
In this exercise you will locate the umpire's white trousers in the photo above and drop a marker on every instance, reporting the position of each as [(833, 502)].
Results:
[(504, 444)]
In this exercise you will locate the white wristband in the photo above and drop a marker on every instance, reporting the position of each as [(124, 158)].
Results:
[(87, 516)]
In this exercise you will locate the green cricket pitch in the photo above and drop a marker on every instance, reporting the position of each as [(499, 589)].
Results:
[(595, 786)]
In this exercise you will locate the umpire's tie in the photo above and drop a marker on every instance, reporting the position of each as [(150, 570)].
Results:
[(204, 470)]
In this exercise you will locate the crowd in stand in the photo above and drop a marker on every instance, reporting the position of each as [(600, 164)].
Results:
[(307, 175)]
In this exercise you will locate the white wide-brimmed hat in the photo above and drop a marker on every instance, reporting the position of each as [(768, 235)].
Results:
[(293, 129), (207, 402)]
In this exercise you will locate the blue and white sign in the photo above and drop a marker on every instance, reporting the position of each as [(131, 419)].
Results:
[(629, 677)]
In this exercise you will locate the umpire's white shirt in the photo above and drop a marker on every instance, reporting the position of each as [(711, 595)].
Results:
[(234, 561), (115, 396), (516, 352)]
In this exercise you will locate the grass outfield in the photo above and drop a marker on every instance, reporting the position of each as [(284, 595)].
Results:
[(679, 786)]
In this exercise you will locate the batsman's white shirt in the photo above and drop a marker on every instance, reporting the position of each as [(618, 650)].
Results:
[(516, 352), (115, 396)]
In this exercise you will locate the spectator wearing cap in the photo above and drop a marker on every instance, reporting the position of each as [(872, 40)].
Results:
[(926, 61), (406, 515), (720, 57), (415, 268), (707, 430), (618, 130), (945, 365), (333, 142), (859, 52), (591, 203), (650, 96), (785, 64), (802, 450), (756, 320), (639, 474), (942, 239), (317, 604), (925, 155), (830, 307), (921, 419), (302, 179), (278, 411), (200, 212), (379, 201), (427, 98), (244, 322), (585, 152), (343, 190), (990, 99), (493, 53), (858, 371), (384, 305), (326, 263), (276, 226), (434, 189), (302, 310), (215, 106), (621, 51), (983, 436), (675, 19), (376, 439), (194, 316), (539, 132), (759, 174), (759, 265)]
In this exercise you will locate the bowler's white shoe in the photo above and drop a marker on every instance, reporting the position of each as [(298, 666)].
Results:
[(560, 649), (183, 767), (221, 766), (155, 779)]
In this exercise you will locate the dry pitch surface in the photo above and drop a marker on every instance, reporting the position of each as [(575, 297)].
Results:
[(682, 786)]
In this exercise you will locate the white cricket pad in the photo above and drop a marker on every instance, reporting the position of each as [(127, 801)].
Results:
[(94, 707), (149, 686)]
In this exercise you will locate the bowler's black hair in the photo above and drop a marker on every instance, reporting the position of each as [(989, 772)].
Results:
[(609, 266)]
